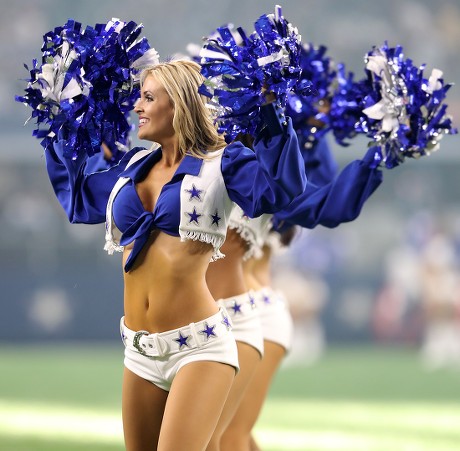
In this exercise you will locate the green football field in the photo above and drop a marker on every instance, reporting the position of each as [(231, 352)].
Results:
[(355, 399)]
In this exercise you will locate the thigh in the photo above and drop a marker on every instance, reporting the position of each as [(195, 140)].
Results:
[(249, 358), (143, 405), (194, 405), (260, 385), (251, 405), (253, 446)]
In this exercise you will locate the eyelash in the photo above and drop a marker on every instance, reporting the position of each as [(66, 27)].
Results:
[(148, 98)]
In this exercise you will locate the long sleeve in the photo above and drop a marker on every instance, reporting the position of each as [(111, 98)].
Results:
[(270, 177), (339, 201), (82, 194), (320, 165)]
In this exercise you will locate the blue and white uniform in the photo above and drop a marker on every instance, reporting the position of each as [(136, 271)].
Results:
[(195, 204), (328, 200)]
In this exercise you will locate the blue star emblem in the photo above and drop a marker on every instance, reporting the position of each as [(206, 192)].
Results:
[(208, 331), (252, 301), (194, 192), (226, 322), (123, 337), (266, 299), (236, 307), (194, 216), (215, 219), (182, 341)]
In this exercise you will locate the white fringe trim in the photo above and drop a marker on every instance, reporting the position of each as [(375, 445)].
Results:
[(253, 252), (215, 240), (217, 255), (273, 241), (249, 236), (111, 247)]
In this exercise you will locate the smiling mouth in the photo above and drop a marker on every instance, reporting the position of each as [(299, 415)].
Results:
[(142, 122)]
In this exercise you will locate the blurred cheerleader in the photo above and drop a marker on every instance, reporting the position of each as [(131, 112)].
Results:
[(318, 205)]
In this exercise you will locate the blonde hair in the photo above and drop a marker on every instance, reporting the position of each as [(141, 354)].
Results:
[(192, 120)]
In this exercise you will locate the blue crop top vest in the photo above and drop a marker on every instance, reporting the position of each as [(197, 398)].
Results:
[(127, 206), (320, 167), (196, 203), (329, 199)]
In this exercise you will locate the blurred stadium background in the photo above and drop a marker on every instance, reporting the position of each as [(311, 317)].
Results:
[(376, 359)]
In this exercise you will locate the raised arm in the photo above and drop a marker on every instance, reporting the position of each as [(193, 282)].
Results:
[(339, 201), (81, 193), (320, 165), (270, 177)]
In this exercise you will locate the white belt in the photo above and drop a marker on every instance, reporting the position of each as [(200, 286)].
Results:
[(184, 338), (240, 305)]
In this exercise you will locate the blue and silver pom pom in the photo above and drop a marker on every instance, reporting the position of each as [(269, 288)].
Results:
[(86, 85), (404, 114), (238, 69), (309, 112), (345, 117)]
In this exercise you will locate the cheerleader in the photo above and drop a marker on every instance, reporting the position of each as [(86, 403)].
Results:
[(338, 201), (226, 282), (166, 209)]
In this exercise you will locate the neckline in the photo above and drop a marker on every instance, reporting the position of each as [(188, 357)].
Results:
[(138, 171)]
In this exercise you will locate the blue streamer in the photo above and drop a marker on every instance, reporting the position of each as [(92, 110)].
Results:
[(86, 85), (308, 111), (238, 69), (404, 114)]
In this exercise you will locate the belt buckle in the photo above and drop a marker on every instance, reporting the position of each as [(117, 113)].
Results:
[(136, 340)]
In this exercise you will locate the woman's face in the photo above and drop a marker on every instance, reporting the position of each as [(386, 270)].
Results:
[(155, 112)]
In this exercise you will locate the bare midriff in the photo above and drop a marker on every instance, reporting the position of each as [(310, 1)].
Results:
[(166, 289), (257, 271), (225, 277)]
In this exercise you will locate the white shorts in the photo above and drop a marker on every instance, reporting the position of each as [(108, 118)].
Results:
[(158, 357), (245, 319), (275, 318)]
